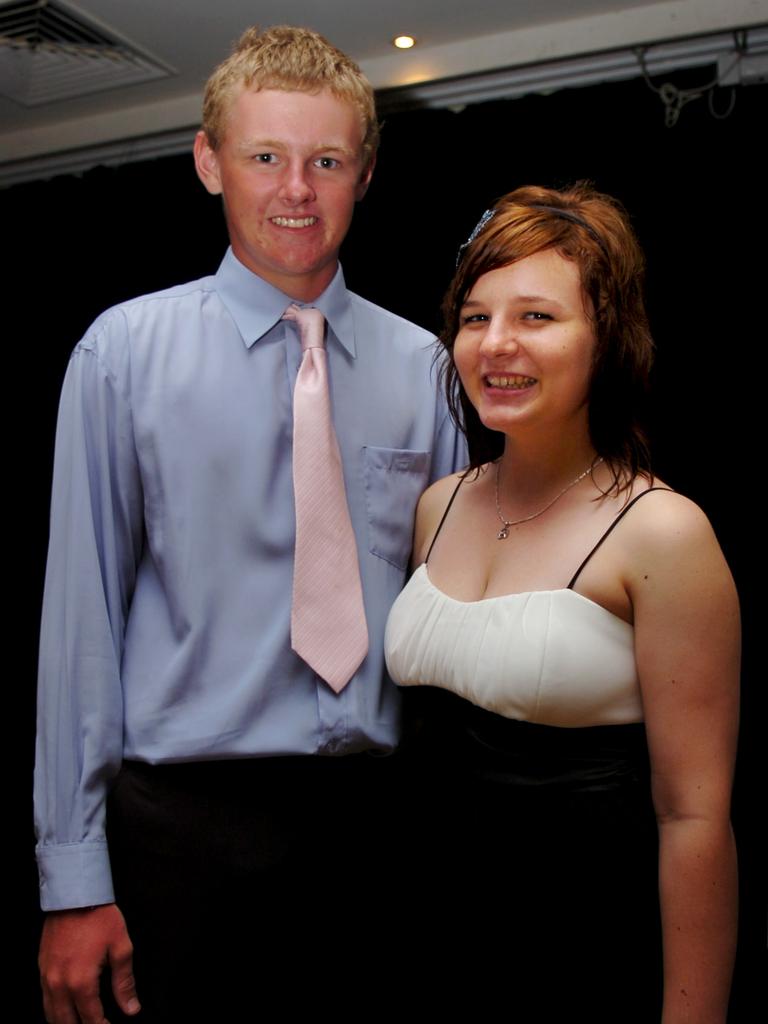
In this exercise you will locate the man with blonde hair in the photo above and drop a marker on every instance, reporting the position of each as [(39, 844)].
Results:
[(246, 839)]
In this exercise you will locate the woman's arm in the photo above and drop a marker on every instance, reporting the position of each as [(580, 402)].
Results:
[(687, 647)]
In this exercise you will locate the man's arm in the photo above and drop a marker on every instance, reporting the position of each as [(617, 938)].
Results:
[(95, 544)]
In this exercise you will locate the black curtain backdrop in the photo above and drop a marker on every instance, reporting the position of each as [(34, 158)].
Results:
[(79, 244)]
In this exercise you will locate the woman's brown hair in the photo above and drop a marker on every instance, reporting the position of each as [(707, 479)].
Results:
[(593, 230)]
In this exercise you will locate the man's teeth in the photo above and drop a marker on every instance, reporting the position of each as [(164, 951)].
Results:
[(511, 382), (294, 222)]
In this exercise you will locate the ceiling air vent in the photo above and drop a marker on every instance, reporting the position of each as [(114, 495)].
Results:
[(49, 52)]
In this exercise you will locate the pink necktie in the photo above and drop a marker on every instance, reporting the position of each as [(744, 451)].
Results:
[(328, 628)]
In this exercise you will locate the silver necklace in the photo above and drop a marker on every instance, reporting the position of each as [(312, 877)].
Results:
[(507, 523)]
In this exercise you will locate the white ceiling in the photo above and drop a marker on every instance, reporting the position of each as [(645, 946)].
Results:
[(456, 37)]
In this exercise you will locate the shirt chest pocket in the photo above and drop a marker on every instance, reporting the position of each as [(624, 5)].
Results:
[(394, 481)]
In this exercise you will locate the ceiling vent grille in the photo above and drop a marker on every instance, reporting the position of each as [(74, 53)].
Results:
[(49, 52)]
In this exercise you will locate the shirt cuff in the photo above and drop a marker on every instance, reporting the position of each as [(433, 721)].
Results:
[(74, 875)]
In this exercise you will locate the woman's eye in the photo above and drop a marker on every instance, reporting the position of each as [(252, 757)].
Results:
[(475, 318), (535, 315)]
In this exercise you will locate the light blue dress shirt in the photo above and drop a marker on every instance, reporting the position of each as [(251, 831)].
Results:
[(165, 632)]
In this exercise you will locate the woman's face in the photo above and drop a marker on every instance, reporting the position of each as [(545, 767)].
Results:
[(525, 345)]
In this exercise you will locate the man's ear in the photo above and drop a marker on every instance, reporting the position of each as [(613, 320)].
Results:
[(365, 179), (206, 164)]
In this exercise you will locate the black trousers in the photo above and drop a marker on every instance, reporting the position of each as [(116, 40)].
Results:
[(260, 883)]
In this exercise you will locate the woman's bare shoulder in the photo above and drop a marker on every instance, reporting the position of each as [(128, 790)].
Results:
[(439, 493), (664, 519), (430, 510), (669, 538)]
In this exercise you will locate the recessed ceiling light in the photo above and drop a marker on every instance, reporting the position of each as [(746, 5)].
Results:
[(403, 42)]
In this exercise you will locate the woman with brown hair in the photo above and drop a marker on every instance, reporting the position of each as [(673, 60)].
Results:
[(577, 626)]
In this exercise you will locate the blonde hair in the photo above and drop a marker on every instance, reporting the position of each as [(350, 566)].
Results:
[(294, 60)]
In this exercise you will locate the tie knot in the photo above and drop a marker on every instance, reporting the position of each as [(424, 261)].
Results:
[(311, 323)]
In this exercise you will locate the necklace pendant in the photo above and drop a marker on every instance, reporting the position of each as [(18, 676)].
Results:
[(506, 523)]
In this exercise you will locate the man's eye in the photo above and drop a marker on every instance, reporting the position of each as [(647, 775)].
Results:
[(265, 158), (327, 162)]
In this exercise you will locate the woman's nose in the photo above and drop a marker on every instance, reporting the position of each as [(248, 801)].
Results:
[(499, 339)]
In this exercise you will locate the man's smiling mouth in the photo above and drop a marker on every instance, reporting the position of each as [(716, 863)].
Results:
[(294, 222)]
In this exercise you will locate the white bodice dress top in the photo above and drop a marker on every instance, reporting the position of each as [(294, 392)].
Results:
[(551, 657)]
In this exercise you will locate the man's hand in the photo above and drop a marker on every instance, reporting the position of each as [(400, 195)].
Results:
[(76, 946)]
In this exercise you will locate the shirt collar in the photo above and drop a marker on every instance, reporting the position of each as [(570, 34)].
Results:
[(256, 306)]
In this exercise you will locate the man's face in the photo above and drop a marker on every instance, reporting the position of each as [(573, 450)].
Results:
[(290, 170)]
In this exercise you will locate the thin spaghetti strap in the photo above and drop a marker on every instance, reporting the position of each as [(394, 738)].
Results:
[(445, 515), (610, 529)]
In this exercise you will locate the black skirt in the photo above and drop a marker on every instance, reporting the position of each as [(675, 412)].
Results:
[(537, 863)]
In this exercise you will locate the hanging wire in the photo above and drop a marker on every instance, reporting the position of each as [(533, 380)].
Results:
[(721, 115), (675, 99)]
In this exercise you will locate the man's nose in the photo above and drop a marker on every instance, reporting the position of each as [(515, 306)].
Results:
[(296, 187)]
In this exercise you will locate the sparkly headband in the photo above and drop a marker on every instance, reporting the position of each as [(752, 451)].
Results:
[(488, 215), (555, 210)]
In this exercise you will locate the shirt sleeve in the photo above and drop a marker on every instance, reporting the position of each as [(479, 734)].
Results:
[(449, 454), (95, 545)]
